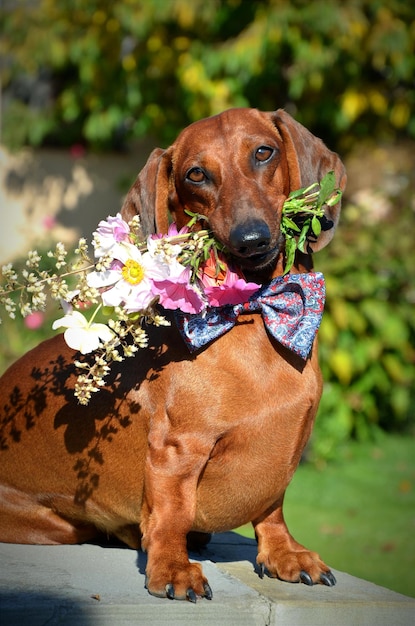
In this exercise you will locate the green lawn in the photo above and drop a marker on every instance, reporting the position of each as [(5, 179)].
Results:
[(359, 513)]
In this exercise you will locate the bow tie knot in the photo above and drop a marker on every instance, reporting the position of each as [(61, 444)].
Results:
[(291, 307)]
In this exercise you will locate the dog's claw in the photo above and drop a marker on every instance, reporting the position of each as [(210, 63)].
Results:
[(170, 591), (191, 596), (208, 591), (261, 570), (328, 578), (306, 578)]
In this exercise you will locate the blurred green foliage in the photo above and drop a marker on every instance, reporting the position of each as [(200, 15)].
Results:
[(367, 336), (100, 73)]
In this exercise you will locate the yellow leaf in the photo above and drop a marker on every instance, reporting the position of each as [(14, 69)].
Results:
[(339, 312), (341, 363), (399, 115), (353, 104), (378, 102)]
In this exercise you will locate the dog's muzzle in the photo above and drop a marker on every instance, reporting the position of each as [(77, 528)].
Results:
[(250, 244)]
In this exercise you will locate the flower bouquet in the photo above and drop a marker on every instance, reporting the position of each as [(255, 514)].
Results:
[(129, 281)]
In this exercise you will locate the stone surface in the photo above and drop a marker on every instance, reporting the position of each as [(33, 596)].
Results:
[(90, 585)]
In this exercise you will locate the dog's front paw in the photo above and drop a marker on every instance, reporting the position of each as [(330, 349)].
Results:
[(178, 581), (297, 565)]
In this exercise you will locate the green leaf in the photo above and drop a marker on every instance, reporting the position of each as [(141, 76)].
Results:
[(327, 186), (335, 198), (316, 225), (288, 223), (290, 248), (296, 193), (302, 240)]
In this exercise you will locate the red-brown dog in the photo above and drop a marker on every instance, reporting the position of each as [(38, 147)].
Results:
[(179, 442)]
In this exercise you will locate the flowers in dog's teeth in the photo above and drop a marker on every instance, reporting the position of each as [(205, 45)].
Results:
[(130, 281), (222, 285)]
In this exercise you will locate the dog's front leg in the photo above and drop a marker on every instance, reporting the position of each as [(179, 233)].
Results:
[(173, 467), (283, 557)]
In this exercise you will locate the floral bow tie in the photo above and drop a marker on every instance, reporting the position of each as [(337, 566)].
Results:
[(291, 307)]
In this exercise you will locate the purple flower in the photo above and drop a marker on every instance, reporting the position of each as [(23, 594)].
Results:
[(110, 232)]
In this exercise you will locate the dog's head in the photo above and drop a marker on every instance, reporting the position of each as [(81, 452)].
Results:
[(236, 169)]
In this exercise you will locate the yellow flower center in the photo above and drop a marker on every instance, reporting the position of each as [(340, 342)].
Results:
[(132, 272)]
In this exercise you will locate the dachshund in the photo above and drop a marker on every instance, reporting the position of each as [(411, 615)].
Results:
[(179, 443)]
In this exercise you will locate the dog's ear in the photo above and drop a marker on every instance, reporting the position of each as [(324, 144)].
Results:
[(148, 196), (309, 160)]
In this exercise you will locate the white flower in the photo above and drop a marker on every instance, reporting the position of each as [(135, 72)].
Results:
[(130, 277), (82, 335)]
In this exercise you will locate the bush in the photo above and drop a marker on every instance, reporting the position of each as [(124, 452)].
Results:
[(101, 73), (367, 337)]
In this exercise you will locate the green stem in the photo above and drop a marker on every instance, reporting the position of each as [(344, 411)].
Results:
[(95, 314)]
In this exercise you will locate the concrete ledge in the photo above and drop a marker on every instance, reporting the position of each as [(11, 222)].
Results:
[(91, 585)]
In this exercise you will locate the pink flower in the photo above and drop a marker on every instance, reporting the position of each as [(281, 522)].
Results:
[(176, 292), (233, 290), (34, 320), (49, 222), (222, 285), (109, 233), (172, 232)]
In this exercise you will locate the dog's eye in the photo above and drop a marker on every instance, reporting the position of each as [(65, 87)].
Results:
[(196, 175), (263, 154)]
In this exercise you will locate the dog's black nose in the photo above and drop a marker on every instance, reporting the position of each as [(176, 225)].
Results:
[(250, 238)]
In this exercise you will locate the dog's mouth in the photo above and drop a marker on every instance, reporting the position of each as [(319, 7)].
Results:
[(257, 262)]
